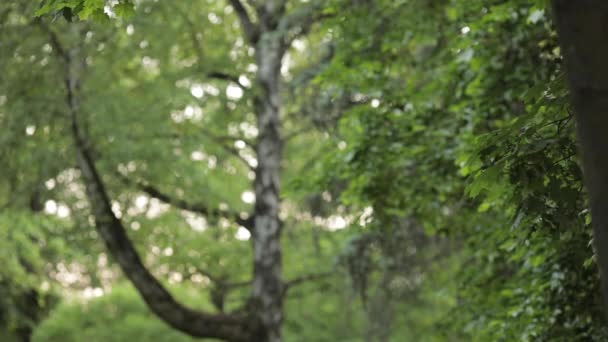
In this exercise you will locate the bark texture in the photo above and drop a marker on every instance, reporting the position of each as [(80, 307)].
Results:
[(267, 282), (583, 32)]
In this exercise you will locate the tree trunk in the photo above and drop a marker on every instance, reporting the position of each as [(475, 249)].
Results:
[(267, 282), (583, 31)]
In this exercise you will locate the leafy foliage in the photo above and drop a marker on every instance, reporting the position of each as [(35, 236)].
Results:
[(118, 316), (100, 10), (485, 117), (430, 169)]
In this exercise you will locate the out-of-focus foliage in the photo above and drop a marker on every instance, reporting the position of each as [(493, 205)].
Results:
[(430, 168), (24, 256), (118, 316), (468, 130), (155, 115), (99, 10), (522, 167)]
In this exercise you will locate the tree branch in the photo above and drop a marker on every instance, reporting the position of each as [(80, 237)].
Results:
[(198, 48), (300, 21), (306, 278), (54, 41), (226, 138), (226, 77), (179, 137), (113, 233), (193, 207), (251, 30), (220, 141), (222, 281)]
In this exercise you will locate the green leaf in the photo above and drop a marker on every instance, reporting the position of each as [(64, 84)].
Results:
[(124, 9)]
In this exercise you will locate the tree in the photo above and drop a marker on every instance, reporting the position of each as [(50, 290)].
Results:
[(583, 36), (270, 36)]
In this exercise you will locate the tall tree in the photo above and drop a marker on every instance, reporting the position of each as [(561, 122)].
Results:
[(270, 34), (583, 35)]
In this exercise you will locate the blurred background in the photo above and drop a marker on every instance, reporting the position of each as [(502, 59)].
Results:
[(430, 189)]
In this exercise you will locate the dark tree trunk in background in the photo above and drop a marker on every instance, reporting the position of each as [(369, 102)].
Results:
[(583, 31)]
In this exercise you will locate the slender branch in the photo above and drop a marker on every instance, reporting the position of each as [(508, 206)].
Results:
[(176, 136), (196, 44), (306, 278), (54, 41), (300, 21), (250, 29), (226, 77), (198, 48), (220, 141), (220, 288), (193, 207), (221, 281), (227, 138)]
